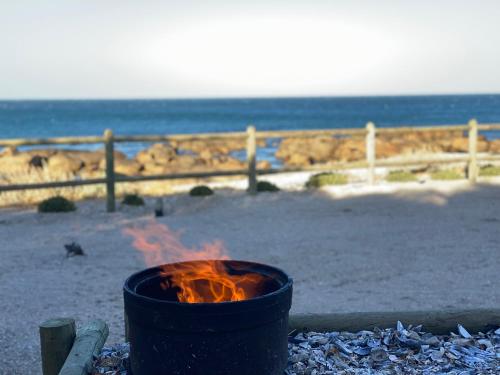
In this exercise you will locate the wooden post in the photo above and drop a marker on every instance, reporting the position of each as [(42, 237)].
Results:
[(472, 170), (370, 151), (110, 171), (56, 340), (88, 342), (251, 160)]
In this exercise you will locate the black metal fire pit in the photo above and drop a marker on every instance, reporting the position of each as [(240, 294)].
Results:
[(247, 337)]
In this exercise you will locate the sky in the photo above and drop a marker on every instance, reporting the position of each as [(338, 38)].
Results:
[(230, 48)]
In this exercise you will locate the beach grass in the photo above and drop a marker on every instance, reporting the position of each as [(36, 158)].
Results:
[(325, 179), (447, 175), (401, 176), (489, 171)]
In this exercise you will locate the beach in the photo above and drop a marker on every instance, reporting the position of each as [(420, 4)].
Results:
[(349, 248)]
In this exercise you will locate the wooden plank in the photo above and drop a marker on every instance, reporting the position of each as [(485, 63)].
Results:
[(180, 137), (485, 127), (56, 339), (48, 185), (472, 169), (50, 141), (175, 176), (89, 340), (410, 129), (251, 160), (110, 171), (309, 133), (437, 322)]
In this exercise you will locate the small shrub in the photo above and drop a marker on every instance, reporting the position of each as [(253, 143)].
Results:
[(401, 176), (446, 175), (266, 186), (56, 204), (324, 179), (489, 171), (200, 191), (133, 200)]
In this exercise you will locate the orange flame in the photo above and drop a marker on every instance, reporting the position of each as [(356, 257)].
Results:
[(206, 281)]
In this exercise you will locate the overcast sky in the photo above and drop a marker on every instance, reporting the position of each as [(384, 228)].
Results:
[(170, 49)]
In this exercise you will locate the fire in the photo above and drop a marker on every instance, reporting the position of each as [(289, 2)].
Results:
[(205, 281)]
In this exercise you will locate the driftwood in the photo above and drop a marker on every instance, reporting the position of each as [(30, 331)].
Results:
[(437, 322), (89, 340), (56, 339)]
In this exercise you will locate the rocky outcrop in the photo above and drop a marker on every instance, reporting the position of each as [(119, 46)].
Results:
[(64, 163), (307, 151), (217, 146), (200, 155)]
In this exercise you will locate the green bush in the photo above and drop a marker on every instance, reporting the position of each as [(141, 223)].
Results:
[(401, 176), (56, 204), (133, 200), (324, 179), (200, 191), (266, 186), (489, 171), (447, 175)]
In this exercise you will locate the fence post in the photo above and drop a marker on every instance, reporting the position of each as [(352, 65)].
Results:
[(56, 340), (472, 170), (251, 160), (110, 171), (370, 151)]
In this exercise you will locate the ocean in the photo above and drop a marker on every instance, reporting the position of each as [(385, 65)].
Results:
[(55, 118)]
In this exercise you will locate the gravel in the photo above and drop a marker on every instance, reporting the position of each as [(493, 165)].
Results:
[(390, 351), (412, 250)]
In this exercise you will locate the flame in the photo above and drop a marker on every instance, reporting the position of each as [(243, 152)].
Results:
[(206, 281)]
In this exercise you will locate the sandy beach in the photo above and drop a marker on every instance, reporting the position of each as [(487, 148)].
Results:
[(394, 247)]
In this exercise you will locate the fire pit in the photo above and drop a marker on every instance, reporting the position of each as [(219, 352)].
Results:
[(217, 317)]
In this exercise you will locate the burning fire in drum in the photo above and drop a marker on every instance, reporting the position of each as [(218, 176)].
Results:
[(206, 317)]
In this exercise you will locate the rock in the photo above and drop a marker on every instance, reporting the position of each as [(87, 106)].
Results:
[(227, 163), (63, 163), (15, 164), (298, 160), (306, 151), (216, 146), (150, 169), (494, 146), (264, 164), (125, 167), (9, 151), (183, 162), (386, 149), (38, 161), (350, 150), (43, 152), (159, 153)]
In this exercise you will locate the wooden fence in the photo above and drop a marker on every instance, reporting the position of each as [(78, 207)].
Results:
[(251, 136)]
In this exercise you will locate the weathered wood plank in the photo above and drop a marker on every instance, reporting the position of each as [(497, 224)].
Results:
[(90, 339), (180, 137), (370, 151), (251, 160), (110, 171), (309, 133), (472, 169), (50, 141), (437, 322), (411, 129), (56, 184), (56, 339)]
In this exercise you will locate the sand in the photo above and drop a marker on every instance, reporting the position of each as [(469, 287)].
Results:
[(391, 247)]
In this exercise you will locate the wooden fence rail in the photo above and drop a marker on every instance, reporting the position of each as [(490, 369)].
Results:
[(251, 136)]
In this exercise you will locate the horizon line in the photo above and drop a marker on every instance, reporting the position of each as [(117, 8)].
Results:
[(251, 97)]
